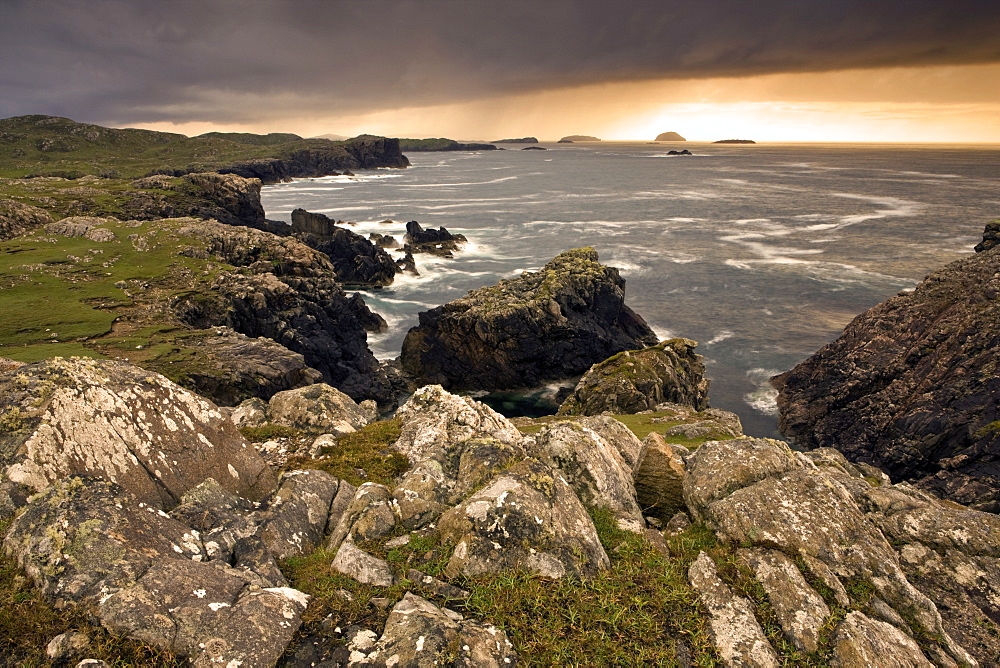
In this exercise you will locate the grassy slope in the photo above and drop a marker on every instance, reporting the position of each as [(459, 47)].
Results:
[(48, 145)]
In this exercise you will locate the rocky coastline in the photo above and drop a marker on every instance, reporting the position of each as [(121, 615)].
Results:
[(206, 461)]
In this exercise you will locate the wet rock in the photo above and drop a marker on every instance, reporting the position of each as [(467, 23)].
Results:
[(735, 631), (638, 380), (546, 325), (418, 633), (436, 242), (356, 260), (800, 610), (659, 479), (319, 409), (863, 642), (991, 237), (911, 386), (363, 567), (526, 518), (133, 427)]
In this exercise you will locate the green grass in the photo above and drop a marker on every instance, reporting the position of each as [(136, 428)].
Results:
[(367, 449), (45, 145)]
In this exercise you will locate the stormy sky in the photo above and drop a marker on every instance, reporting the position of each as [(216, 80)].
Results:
[(485, 69)]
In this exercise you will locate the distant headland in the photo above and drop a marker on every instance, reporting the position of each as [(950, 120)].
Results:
[(522, 140), (735, 141), (669, 136), (569, 139)]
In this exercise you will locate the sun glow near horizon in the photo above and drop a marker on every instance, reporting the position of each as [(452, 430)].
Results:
[(888, 105)]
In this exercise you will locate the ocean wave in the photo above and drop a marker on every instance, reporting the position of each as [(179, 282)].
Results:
[(720, 337), (763, 398)]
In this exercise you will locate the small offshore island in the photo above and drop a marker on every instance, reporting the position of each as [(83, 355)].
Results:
[(201, 460)]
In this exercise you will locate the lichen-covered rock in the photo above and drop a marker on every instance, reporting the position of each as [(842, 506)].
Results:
[(800, 610), (67, 645), (232, 367), (363, 567), (595, 468), (298, 512), (85, 536), (659, 478), (736, 632), (228, 198), (863, 642), (420, 634), (204, 613), (433, 418), (911, 386), (319, 409), (16, 218), (637, 380), (368, 516), (83, 226), (545, 325), (526, 518), (758, 492), (132, 427)]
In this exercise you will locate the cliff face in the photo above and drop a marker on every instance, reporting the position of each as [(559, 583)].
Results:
[(542, 326), (912, 385)]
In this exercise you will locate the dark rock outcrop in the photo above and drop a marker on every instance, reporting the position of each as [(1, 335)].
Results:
[(991, 237), (735, 141), (321, 158), (17, 218), (545, 325), (534, 148), (436, 242), (639, 380), (287, 292), (233, 200), (356, 260), (684, 152), (522, 140), (911, 386), (669, 136)]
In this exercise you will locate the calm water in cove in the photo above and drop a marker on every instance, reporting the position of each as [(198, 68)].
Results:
[(761, 253)]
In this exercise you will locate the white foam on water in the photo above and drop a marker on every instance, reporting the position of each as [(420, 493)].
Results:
[(894, 208), (662, 333), (720, 337), (763, 398)]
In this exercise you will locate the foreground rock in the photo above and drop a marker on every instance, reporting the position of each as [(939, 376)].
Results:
[(545, 325), (911, 386), (86, 542), (101, 417), (638, 380)]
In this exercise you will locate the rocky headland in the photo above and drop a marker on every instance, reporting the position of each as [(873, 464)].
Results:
[(522, 140), (911, 386), (442, 144), (546, 325)]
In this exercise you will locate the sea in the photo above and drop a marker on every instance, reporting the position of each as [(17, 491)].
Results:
[(761, 253)]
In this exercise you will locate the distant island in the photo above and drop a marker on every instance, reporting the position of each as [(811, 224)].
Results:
[(669, 136), (534, 148), (331, 137), (572, 138), (441, 144), (522, 140), (735, 141)]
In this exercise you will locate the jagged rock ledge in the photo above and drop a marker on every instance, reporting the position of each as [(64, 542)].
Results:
[(911, 385)]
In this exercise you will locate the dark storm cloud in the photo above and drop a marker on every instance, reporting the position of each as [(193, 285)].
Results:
[(118, 61)]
